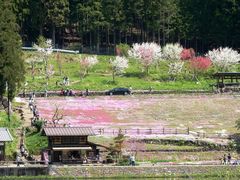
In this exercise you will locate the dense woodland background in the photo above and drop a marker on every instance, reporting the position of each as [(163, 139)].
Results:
[(96, 26)]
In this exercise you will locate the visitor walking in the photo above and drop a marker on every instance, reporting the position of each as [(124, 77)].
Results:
[(132, 160), (229, 157), (18, 160), (224, 159)]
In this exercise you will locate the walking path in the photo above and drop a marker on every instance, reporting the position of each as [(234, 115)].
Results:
[(26, 117)]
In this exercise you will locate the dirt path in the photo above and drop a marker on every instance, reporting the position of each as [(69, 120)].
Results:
[(27, 115)]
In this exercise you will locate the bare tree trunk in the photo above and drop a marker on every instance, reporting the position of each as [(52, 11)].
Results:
[(113, 75), (153, 36), (98, 40), (120, 37), (114, 40), (53, 35), (108, 43), (125, 37)]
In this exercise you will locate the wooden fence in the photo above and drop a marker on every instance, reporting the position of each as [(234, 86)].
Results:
[(140, 131), (161, 131)]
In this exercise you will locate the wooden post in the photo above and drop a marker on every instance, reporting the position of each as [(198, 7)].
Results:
[(163, 131), (150, 131), (188, 131), (176, 131), (138, 131), (125, 131)]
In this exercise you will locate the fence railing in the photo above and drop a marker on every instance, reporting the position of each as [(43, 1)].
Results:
[(140, 131), (211, 135), (158, 131)]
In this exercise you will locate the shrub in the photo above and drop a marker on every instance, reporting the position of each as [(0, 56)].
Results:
[(38, 124)]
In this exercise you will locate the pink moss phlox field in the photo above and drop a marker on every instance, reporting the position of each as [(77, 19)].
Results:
[(85, 111)]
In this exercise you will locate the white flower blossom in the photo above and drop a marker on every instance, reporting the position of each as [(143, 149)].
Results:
[(50, 71), (119, 64), (224, 58), (45, 50), (89, 61), (172, 52), (146, 53)]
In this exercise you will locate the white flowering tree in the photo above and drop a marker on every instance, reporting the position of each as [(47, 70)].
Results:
[(172, 52), (118, 65), (44, 50), (146, 53), (175, 68), (50, 71), (86, 63), (223, 58)]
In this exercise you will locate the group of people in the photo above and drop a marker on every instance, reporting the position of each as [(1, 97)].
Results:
[(33, 107), (67, 92), (23, 153), (226, 159)]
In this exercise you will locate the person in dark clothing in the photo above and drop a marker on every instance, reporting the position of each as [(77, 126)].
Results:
[(229, 157), (224, 159)]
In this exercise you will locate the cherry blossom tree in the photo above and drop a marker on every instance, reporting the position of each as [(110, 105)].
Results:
[(199, 65), (50, 71), (175, 68), (223, 58), (187, 54), (44, 50), (146, 53), (86, 63), (118, 65), (172, 52)]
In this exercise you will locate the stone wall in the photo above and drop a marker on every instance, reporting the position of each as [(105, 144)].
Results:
[(24, 171), (137, 171)]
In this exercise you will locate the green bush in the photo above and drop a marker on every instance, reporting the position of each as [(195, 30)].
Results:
[(38, 124)]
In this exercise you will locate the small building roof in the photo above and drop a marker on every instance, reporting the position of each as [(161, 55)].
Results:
[(5, 135), (68, 131)]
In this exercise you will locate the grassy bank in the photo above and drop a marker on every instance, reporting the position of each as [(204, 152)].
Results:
[(35, 142), (14, 123), (100, 76)]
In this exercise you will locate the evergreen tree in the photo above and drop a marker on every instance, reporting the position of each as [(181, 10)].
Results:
[(11, 64), (91, 20), (57, 12)]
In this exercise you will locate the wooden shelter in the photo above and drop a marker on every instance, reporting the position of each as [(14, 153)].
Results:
[(228, 80), (70, 144), (5, 136)]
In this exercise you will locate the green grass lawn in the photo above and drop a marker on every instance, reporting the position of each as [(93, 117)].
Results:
[(14, 123), (100, 76)]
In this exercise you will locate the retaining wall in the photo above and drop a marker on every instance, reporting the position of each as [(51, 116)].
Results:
[(138, 171), (24, 171)]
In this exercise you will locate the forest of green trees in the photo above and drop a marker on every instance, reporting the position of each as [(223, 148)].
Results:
[(200, 24)]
